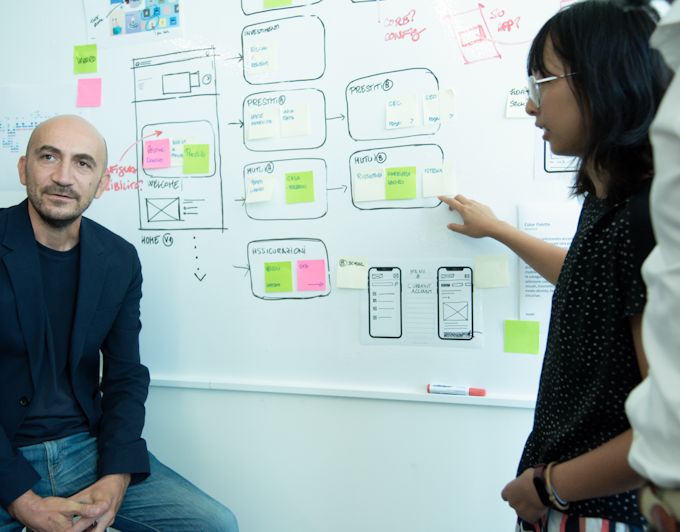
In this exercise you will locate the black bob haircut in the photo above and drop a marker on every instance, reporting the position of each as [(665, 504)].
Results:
[(618, 84)]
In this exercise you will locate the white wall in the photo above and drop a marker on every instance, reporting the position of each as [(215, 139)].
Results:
[(325, 464)]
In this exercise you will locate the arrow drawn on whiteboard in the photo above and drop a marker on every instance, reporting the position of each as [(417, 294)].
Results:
[(200, 278), (341, 117), (343, 187), (241, 199), (247, 268), (157, 133), (236, 123), (239, 57)]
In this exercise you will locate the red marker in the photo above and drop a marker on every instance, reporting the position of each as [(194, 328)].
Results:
[(455, 390)]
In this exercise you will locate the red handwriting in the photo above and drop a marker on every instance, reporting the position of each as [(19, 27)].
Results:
[(507, 25), (496, 13), (412, 32), (401, 21), (116, 186), (121, 170)]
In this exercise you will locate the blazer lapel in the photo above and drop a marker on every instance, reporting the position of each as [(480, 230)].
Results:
[(93, 266), (23, 267)]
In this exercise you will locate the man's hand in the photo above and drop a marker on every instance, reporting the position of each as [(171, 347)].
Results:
[(49, 514), (105, 496), (521, 495)]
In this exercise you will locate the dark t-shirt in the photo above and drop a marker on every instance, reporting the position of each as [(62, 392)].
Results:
[(54, 412), (590, 364)]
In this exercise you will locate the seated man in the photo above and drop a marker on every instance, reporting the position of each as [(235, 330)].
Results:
[(68, 289)]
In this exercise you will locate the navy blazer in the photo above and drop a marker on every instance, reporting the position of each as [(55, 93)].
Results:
[(106, 319)]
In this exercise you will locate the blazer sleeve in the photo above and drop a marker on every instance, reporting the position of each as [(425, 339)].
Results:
[(125, 385)]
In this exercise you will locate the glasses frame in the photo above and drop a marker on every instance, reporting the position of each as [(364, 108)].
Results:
[(534, 88)]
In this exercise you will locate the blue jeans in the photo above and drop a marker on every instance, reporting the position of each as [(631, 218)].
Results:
[(164, 502)]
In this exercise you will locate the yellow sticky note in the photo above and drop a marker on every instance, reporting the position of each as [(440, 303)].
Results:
[(262, 123), (491, 271), (196, 159), (261, 58), (85, 59), (400, 183), (352, 272), (447, 105), (260, 188), (401, 111), (439, 180), (369, 185), (431, 115), (517, 102), (300, 187), (521, 337), (295, 121)]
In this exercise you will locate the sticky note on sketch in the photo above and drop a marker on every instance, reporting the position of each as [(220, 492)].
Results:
[(85, 59), (369, 185), (447, 105), (401, 112), (491, 271), (89, 92), (311, 274), (516, 103), (270, 4), (295, 121), (352, 272), (439, 180), (521, 337), (262, 123), (400, 183), (261, 58), (260, 188), (431, 114), (300, 187), (177, 149), (196, 159), (278, 277), (156, 153)]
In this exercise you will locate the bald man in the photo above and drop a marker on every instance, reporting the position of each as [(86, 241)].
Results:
[(69, 446)]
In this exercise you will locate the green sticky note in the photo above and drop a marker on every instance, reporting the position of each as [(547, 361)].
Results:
[(196, 159), (269, 4), (400, 183), (278, 277), (521, 337), (85, 59), (300, 187)]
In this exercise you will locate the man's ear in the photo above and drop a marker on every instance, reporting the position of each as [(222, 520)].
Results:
[(21, 166), (103, 183)]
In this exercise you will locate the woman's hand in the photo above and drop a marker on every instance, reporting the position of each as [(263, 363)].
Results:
[(478, 220)]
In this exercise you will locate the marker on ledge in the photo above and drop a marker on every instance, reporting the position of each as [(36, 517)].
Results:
[(455, 390)]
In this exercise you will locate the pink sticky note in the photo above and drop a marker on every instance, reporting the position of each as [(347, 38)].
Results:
[(311, 274), (156, 154), (89, 92)]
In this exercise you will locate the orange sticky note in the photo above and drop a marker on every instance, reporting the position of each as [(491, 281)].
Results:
[(89, 92)]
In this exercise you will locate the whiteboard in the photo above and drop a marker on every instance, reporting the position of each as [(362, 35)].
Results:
[(207, 315)]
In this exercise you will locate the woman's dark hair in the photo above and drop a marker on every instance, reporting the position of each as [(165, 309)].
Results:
[(619, 83)]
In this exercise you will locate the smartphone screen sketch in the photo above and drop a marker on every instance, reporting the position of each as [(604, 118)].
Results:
[(384, 298), (454, 294)]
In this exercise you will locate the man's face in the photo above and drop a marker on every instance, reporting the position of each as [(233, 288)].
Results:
[(64, 170)]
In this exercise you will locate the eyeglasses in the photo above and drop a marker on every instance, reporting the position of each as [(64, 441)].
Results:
[(534, 91)]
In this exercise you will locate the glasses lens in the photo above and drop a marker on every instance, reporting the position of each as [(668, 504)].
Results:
[(533, 91)]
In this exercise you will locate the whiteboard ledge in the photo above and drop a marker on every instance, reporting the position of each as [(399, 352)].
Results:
[(489, 400)]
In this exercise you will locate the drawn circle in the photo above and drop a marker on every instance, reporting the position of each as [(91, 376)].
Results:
[(168, 240), (342, 263), (381, 157), (269, 168), (387, 84), (282, 100), (207, 79), (152, 23)]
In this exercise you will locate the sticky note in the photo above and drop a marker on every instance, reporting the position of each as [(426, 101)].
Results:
[(491, 271), (196, 159), (89, 92), (269, 4), (431, 114), (261, 58), (295, 121), (85, 59), (369, 185), (401, 111), (278, 277), (521, 337), (262, 123), (447, 105), (260, 187), (156, 154), (439, 180), (177, 149), (517, 102), (300, 187), (400, 183), (311, 274), (352, 272)]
